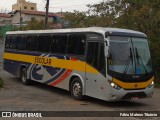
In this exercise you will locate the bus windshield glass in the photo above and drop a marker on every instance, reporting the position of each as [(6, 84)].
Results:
[(129, 55)]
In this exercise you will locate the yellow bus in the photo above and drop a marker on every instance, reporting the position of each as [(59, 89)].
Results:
[(105, 63)]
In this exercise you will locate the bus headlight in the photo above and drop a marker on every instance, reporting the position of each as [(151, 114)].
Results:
[(115, 86), (152, 84)]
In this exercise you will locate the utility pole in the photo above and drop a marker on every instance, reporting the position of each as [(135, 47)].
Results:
[(20, 20), (61, 19), (46, 17)]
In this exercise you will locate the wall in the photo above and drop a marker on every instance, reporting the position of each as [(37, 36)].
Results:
[(22, 3), (26, 18), (5, 21)]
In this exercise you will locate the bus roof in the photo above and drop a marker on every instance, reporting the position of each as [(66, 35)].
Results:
[(101, 30)]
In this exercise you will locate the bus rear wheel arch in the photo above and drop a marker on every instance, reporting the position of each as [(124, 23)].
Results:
[(23, 76), (76, 88)]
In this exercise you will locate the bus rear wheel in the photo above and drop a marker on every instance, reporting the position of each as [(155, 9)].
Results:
[(76, 89), (23, 76)]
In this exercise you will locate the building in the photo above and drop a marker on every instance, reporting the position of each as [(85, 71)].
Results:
[(23, 12), (5, 23), (5, 19), (27, 16), (24, 6)]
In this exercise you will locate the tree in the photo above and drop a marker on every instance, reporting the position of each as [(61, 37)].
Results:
[(144, 16), (34, 25), (140, 15), (76, 19)]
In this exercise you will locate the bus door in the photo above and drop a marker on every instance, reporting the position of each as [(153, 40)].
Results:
[(91, 65), (95, 64)]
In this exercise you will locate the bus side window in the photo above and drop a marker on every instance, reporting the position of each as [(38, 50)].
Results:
[(18, 43), (44, 43), (21, 43), (31, 43), (7, 43), (76, 44), (59, 43), (62, 40), (13, 41), (34, 42), (28, 45), (54, 45), (92, 54), (102, 65)]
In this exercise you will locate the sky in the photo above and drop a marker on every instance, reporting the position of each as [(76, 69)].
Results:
[(55, 5)]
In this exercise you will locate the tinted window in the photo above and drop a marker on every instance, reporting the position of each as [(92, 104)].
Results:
[(102, 65), (32, 43), (13, 42), (76, 44), (59, 44), (92, 53), (7, 42), (21, 43), (44, 43)]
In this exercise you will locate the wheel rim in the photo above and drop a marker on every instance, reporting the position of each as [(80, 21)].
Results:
[(23, 76), (77, 89)]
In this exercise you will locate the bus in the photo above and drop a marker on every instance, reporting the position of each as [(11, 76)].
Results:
[(105, 63)]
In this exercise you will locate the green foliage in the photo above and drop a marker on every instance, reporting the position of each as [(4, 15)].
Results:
[(4, 29), (1, 83), (77, 19), (33, 25), (1, 36), (157, 85), (140, 15)]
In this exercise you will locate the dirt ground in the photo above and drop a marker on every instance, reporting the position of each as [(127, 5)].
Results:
[(38, 97)]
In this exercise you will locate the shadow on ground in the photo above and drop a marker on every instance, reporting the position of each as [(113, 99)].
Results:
[(113, 104)]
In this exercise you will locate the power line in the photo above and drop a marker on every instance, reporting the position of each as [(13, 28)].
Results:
[(72, 5), (62, 1), (53, 3), (70, 9), (67, 6)]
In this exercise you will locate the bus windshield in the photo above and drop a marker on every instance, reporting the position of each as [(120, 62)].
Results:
[(129, 55)]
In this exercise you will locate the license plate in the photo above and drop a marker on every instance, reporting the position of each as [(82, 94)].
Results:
[(134, 98)]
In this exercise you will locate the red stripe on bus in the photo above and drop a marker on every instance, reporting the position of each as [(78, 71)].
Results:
[(64, 76), (73, 59)]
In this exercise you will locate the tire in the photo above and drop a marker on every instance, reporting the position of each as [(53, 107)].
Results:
[(76, 89), (23, 77)]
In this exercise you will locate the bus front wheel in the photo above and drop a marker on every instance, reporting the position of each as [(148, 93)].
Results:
[(23, 76), (76, 89)]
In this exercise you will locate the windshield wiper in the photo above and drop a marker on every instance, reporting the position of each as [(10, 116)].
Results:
[(138, 57), (130, 59)]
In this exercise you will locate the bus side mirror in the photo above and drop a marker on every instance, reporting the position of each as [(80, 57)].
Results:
[(106, 51)]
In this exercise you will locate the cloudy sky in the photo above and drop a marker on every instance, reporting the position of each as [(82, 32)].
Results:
[(55, 5)]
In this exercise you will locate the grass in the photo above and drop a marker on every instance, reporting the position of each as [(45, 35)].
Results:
[(157, 85), (1, 82)]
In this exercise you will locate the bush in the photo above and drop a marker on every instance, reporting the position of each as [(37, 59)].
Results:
[(157, 85)]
